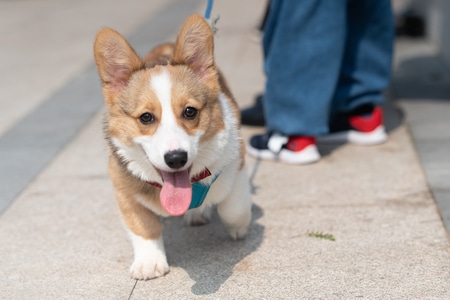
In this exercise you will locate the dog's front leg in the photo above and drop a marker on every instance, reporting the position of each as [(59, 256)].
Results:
[(235, 210), (145, 229), (149, 258)]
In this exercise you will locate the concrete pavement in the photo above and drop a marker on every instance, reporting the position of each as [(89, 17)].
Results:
[(60, 233)]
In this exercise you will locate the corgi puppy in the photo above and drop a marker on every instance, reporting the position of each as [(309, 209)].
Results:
[(173, 132)]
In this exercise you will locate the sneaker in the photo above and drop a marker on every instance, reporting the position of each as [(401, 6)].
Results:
[(364, 127), (254, 115), (277, 147)]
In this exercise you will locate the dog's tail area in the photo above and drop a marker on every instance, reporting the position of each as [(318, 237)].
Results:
[(160, 55)]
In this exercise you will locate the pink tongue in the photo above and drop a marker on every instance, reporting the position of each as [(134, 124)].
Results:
[(176, 192)]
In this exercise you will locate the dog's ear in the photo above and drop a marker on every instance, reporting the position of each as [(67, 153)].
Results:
[(195, 47), (116, 61)]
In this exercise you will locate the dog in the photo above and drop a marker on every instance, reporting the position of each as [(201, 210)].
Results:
[(173, 131)]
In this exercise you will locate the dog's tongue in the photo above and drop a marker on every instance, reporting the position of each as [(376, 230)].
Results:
[(176, 192)]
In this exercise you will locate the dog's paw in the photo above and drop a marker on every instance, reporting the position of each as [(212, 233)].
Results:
[(149, 258), (197, 217), (238, 233), (144, 269)]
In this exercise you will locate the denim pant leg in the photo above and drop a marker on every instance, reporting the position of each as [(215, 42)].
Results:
[(303, 46), (366, 67)]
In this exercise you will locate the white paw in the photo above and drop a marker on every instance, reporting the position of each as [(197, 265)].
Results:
[(149, 258), (150, 268), (238, 233)]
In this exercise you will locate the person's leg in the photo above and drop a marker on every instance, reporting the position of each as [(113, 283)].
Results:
[(365, 73), (366, 67), (303, 47), (254, 114)]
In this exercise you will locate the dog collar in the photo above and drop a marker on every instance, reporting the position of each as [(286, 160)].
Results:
[(199, 190)]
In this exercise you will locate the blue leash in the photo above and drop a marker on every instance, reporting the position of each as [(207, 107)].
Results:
[(208, 9)]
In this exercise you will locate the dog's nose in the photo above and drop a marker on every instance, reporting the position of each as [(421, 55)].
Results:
[(176, 159)]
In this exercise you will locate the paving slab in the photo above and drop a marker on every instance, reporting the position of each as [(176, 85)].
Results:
[(62, 237)]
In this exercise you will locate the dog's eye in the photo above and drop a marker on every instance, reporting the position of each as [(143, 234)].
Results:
[(147, 118), (190, 113)]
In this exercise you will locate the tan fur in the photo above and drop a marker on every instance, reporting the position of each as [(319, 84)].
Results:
[(138, 219), (114, 78), (201, 98)]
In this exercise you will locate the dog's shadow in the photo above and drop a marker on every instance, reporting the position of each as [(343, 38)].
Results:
[(207, 253)]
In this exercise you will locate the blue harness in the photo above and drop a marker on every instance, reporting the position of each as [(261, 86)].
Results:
[(199, 192)]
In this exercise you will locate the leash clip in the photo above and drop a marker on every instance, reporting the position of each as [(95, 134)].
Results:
[(212, 22)]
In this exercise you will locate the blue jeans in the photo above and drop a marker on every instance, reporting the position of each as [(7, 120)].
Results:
[(324, 57)]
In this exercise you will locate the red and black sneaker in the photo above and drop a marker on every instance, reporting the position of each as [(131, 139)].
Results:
[(363, 126), (288, 149)]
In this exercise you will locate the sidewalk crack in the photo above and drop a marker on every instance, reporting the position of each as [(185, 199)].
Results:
[(132, 290)]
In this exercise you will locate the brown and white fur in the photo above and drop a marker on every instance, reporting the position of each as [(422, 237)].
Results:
[(173, 101)]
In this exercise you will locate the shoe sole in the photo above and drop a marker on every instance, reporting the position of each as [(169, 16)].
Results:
[(308, 155), (375, 137)]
